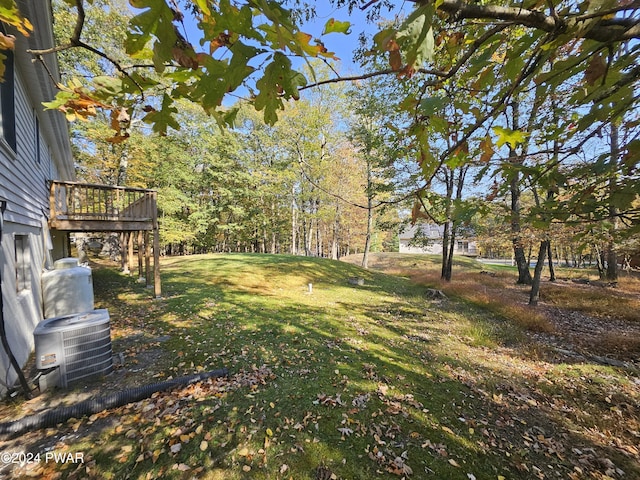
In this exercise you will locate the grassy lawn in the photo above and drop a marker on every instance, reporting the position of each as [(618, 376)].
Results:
[(341, 381)]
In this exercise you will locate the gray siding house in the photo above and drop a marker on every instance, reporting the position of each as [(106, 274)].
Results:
[(34, 149), (428, 237)]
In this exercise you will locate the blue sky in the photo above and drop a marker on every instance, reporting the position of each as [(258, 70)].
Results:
[(342, 45)]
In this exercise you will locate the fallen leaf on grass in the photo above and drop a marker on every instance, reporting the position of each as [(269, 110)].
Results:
[(399, 467), (361, 400), (326, 400), (448, 430)]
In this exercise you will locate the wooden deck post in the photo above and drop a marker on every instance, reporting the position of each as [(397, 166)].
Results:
[(123, 252), (130, 252), (140, 256), (157, 288), (147, 259)]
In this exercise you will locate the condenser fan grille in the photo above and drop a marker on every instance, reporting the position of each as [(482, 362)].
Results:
[(87, 351)]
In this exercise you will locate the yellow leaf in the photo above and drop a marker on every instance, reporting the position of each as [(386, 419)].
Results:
[(204, 445), (246, 468), (269, 432), (199, 429), (156, 455), (243, 452), (454, 463), (448, 430), (7, 42)]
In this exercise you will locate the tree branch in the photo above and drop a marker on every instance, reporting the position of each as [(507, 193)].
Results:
[(75, 41), (605, 30), (366, 76)]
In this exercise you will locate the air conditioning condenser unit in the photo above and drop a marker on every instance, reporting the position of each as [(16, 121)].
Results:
[(78, 346)]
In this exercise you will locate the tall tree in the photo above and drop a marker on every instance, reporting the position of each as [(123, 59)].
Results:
[(372, 131)]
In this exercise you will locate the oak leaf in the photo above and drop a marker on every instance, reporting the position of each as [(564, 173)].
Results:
[(596, 69)]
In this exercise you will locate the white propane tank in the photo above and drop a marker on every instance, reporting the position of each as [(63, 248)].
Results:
[(67, 289)]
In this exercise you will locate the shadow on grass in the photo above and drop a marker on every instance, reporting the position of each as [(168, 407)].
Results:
[(362, 380)]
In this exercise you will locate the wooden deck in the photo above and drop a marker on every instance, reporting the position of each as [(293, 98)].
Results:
[(78, 207), (82, 207)]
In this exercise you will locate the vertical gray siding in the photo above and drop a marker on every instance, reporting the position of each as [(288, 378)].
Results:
[(23, 184)]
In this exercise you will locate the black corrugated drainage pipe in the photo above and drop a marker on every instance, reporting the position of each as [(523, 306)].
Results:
[(53, 417)]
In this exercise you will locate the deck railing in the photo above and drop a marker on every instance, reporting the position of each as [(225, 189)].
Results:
[(72, 201)]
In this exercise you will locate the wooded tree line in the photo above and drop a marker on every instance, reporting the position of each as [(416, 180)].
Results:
[(311, 184), (297, 187), (529, 107)]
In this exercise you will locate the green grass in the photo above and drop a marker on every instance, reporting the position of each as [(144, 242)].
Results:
[(365, 381)]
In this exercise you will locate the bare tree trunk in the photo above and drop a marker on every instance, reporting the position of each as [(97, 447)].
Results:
[(335, 252), (524, 276), (452, 247), (600, 261), (534, 295), (446, 233), (123, 166), (552, 271), (294, 222), (319, 239), (367, 242), (306, 234), (612, 256), (449, 240)]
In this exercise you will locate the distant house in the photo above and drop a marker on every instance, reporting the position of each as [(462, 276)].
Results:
[(34, 148), (428, 238)]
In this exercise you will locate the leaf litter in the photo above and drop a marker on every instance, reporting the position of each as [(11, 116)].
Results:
[(534, 419)]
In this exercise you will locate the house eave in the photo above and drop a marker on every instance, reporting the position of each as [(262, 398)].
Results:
[(53, 124)]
